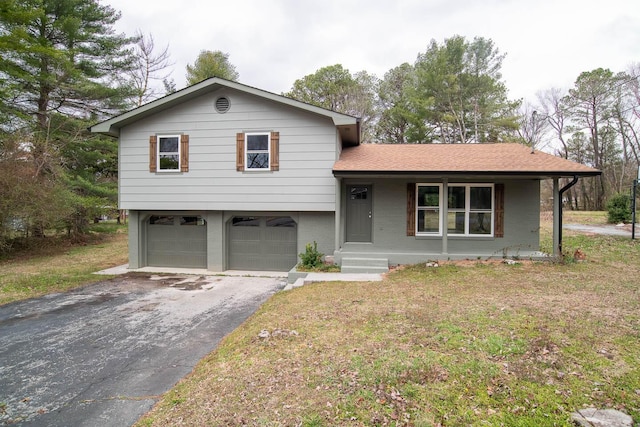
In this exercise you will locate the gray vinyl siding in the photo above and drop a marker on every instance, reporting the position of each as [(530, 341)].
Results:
[(308, 145), (389, 235), (317, 227)]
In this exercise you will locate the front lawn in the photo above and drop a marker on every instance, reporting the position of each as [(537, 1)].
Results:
[(56, 264), (472, 343)]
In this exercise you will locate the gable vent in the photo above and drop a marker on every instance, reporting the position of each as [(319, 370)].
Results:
[(222, 104)]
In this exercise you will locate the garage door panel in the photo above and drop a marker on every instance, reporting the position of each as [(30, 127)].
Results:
[(246, 248)]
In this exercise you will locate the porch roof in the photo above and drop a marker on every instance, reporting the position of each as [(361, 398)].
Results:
[(456, 159)]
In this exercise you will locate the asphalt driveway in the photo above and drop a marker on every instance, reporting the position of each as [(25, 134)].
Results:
[(101, 355)]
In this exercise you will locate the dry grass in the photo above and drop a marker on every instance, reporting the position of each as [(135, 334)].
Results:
[(473, 344), (58, 264), (577, 217)]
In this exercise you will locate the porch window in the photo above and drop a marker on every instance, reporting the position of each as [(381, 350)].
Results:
[(470, 209), (428, 214)]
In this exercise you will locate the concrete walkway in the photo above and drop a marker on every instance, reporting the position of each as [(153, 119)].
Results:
[(334, 277), (123, 269), (310, 278)]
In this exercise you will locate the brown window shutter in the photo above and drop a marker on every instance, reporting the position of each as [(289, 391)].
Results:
[(153, 153), (275, 154), (411, 209), (498, 226), (184, 153), (240, 151)]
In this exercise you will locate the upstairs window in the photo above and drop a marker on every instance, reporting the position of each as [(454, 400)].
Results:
[(169, 153), (257, 151)]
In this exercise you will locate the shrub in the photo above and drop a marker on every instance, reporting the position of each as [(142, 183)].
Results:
[(311, 258), (619, 208)]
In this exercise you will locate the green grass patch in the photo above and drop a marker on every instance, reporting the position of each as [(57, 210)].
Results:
[(60, 264)]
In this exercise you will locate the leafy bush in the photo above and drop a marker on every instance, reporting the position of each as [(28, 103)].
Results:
[(311, 258), (619, 208)]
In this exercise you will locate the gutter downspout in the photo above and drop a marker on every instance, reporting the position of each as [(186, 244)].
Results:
[(337, 242), (562, 190)]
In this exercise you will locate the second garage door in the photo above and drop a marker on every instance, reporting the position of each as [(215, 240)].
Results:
[(262, 243)]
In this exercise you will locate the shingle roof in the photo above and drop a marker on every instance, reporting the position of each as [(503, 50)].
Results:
[(498, 159)]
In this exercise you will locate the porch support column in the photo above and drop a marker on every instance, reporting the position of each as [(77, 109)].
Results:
[(338, 214), (445, 213), (557, 205), (137, 240)]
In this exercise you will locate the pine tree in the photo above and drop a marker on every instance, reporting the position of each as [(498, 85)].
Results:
[(60, 69)]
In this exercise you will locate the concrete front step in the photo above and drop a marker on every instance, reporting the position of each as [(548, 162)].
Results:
[(364, 265), (363, 270)]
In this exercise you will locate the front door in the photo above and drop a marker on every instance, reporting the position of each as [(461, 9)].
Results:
[(359, 213)]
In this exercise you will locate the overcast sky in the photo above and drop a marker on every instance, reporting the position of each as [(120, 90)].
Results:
[(272, 43)]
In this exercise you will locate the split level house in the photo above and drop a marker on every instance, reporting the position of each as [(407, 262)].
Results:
[(224, 176)]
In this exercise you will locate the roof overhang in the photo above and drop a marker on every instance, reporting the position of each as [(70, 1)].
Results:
[(349, 133), (348, 126), (463, 174), (469, 161)]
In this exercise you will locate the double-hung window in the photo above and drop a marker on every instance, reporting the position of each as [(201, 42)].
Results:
[(480, 219), (428, 206), (257, 150), (168, 153), (470, 209)]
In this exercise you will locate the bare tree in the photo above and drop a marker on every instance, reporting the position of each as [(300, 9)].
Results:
[(533, 126), (149, 66), (555, 114), (629, 117)]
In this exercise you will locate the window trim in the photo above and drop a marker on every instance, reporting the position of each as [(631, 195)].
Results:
[(247, 151), (178, 152), (467, 209)]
